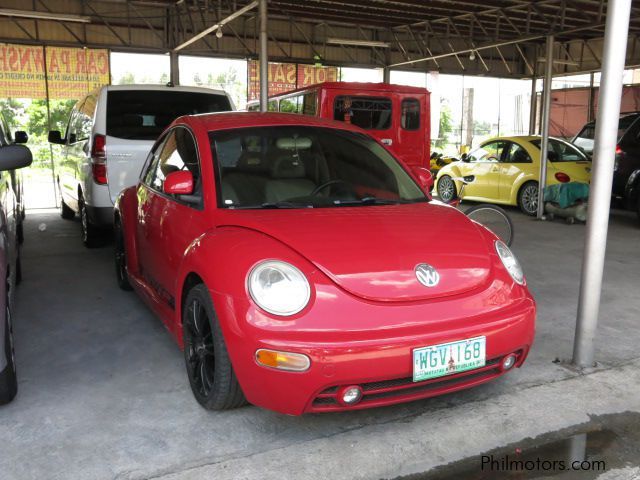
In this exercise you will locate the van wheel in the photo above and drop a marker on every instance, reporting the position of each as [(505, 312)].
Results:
[(90, 234), (528, 198), (66, 211), (8, 378), (211, 376)]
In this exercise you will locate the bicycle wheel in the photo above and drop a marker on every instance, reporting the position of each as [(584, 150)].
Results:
[(495, 219)]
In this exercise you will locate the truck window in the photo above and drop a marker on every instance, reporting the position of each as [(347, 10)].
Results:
[(410, 119), (370, 113), (309, 103)]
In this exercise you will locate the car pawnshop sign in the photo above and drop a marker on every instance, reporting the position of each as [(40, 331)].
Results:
[(28, 71), (284, 77)]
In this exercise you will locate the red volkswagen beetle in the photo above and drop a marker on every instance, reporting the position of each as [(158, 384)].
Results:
[(301, 268)]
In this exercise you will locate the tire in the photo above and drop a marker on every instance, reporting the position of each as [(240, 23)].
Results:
[(18, 269), (8, 378), (20, 233), (638, 207), (528, 198), (120, 257), (66, 211), (89, 233), (495, 219), (211, 376), (447, 189)]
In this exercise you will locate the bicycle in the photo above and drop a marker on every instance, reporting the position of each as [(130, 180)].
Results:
[(493, 217)]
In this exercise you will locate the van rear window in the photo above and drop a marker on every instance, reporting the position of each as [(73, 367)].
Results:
[(143, 115), (370, 113)]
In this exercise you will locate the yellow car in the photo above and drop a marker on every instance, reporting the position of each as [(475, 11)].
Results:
[(507, 170)]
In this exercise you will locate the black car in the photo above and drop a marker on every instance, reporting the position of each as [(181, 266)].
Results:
[(626, 175)]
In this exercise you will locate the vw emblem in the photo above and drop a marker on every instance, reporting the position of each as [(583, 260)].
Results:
[(427, 275)]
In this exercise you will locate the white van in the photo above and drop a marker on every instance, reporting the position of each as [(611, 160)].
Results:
[(108, 137)]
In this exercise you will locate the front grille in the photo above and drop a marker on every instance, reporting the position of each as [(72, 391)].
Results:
[(400, 387)]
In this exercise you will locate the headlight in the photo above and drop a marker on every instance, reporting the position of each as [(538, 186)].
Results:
[(510, 262), (279, 288)]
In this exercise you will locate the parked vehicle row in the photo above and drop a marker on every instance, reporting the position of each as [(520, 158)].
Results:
[(13, 156)]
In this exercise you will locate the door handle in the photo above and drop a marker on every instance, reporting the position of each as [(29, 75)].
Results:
[(386, 141)]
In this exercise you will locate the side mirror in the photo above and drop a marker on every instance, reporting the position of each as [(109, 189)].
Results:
[(424, 178), (56, 137), (465, 158), (178, 183), (20, 137), (15, 156)]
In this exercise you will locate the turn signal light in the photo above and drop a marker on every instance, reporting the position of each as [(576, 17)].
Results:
[(562, 177), (293, 362)]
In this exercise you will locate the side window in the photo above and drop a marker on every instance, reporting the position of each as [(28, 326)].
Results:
[(410, 119), (272, 106), (84, 119), (72, 126), (370, 113), (152, 162), (179, 152), (517, 154), (489, 152), (309, 103)]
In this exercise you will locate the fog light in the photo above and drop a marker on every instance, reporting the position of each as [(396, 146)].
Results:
[(293, 362), (350, 395), (509, 361)]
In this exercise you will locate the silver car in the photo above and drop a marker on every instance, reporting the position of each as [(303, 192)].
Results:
[(108, 137)]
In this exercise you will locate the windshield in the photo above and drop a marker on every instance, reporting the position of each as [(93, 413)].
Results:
[(305, 167), (144, 114), (560, 151), (585, 138)]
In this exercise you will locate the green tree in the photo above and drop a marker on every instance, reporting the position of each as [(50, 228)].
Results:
[(37, 123), (445, 125), (127, 78), (12, 110)]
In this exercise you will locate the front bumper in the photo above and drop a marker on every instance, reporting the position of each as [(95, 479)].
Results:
[(377, 359)]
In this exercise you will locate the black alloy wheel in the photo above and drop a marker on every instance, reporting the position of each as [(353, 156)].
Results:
[(209, 369)]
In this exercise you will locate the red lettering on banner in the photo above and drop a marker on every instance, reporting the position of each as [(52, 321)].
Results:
[(64, 58), (80, 62), (13, 59), (91, 66), (103, 63), (54, 67)]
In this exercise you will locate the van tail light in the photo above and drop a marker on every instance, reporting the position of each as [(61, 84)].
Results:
[(618, 150), (562, 177), (99, 159)]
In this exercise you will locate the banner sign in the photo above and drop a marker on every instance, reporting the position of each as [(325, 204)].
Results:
[(70, 72), (284, 77)]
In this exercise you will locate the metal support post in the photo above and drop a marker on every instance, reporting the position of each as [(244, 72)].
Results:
[(544, 141), (386, 75), (613, 55), (534, 107), (264, 58), (174, 69)]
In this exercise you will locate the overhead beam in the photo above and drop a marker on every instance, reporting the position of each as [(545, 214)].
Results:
[(218, 25)]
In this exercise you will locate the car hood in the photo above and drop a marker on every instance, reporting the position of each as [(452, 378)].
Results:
[(372, 251)]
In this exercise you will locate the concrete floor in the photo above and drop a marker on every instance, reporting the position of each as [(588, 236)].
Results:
[(103, 393)]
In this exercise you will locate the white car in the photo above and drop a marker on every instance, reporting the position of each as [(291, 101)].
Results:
[(108, 137)]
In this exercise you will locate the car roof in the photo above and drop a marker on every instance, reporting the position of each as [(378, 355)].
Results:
[(231, 120), (165, 88)]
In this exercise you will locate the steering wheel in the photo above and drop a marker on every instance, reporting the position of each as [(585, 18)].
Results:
[(319, 188)]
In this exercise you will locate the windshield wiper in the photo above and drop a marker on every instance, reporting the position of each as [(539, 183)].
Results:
[(374, 201), (282, 204)]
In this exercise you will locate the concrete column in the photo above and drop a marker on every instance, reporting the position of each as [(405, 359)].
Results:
[(613, 55), (264, 57), (544, 141), (174, 70), (386, 75)]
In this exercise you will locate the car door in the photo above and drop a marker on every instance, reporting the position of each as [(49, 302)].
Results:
[(484, 164), (514, 162), (66, 167), (172, 222)]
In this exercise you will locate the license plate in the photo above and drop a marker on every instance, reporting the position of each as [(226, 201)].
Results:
[(448, 358)]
